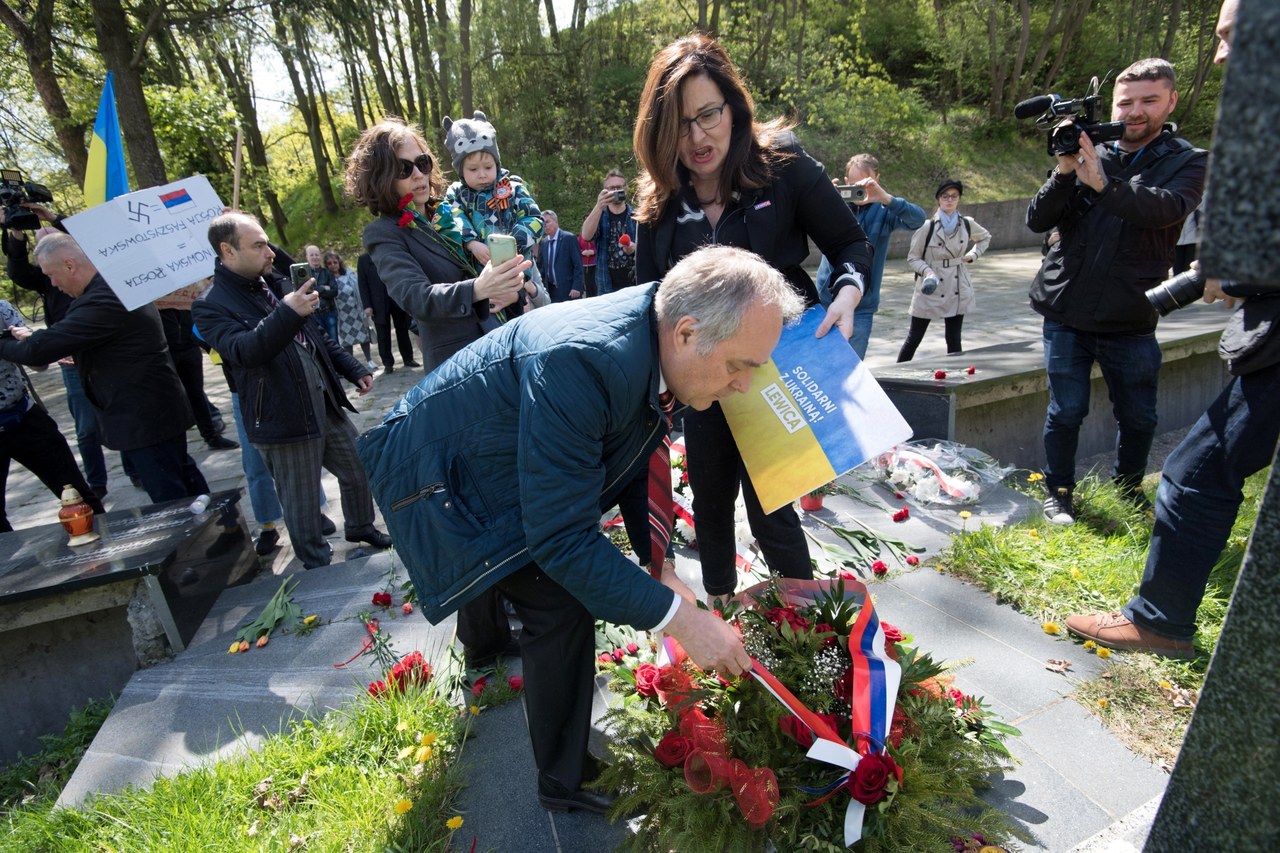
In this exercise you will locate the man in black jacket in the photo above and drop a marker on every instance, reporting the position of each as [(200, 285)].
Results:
[(286, 372), (125, 369), (29, 277), (379, 305), (1119, 209)]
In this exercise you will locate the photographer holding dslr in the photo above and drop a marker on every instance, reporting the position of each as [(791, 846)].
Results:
[(1200, 486), (1119, 208)]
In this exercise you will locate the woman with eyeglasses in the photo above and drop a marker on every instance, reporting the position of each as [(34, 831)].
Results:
[(416, 243), (941, 251), (416, 246), (713, 174)]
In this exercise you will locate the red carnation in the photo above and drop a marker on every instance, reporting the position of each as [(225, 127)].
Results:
[(913, 560), (624, 240), (405, 201), (879, 568), (940, 374), (382, 599), (377, 688), (405, 220), (478, 687), (515, 682), (409, 670), (871, 776), (971, 370), (673, 749), (647, 676), (847, 576), (902, 514)]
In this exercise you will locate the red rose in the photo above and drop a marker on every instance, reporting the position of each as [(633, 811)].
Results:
[(940, 374), (406, 608), (843, 686), (377, 688), (871, 776), (478, 687), (793, 726), (971, 370), (382, 599), (891, 633), (847, 576), (879, 568), (778, 615), (647, 679), (618, 655), (674, 686), (515, 682), (632, 648), (913, 560), (409, 670), (673, 749)]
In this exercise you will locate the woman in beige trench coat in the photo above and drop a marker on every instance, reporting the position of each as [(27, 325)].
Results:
[(941, 252)]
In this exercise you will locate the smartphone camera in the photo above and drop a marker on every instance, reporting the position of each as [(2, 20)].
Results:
[(298, 274)]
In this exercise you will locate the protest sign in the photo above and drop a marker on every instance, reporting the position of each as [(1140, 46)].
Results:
[(151, 242), (813, 412)]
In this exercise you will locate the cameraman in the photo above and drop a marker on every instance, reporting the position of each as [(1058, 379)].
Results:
[(1119, 209), (1200, 486), (29, 277)]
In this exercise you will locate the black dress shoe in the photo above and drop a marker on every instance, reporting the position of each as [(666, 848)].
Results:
[(217, 442), (327, 527), (412, 364), (580, 800), (388, 370), (370, 536)]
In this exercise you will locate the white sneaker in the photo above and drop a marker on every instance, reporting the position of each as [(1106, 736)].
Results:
[(1057, 507)]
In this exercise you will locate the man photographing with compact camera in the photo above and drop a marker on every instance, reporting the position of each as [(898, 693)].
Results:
[(1119, 209)]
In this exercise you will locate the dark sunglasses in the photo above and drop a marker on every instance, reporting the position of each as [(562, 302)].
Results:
[(423, 162)]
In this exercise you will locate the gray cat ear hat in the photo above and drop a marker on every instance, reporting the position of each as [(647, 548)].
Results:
[(467, 136)]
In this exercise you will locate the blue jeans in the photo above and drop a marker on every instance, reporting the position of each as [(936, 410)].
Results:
[(258, 482), (87, 440), (329, 322), (1200, 493), (863, 316), (1130, 366)]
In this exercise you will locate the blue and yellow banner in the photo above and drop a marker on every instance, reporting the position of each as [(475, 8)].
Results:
[(813, 413), (105, 176)]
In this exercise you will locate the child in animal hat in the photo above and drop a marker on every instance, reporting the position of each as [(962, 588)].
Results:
[(489, 199)]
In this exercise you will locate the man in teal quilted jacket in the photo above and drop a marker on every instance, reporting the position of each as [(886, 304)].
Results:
[(480, 488)]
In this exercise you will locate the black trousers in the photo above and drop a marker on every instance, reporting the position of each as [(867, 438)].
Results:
[(191, 373), (715, 473), (557, 647), (39, 446), (919, 325), (483, 626), (166, 470), (400, 320)]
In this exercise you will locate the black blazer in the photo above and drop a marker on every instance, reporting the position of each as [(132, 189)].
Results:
[(568, 260), (124, 366), (373, 293), (799, 204), (425, 279)]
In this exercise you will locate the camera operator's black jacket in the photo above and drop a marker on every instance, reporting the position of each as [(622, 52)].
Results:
[(28, 276), (257, 342), (1118, 243)]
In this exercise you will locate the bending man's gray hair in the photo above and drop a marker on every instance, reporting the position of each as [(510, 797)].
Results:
[(716, 286), (58, 244)]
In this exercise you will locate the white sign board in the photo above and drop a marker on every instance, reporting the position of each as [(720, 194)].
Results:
[(151, 242)]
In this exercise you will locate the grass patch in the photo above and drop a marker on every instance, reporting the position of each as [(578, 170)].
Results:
[(1050, 572), (376, 775), (39, 778)]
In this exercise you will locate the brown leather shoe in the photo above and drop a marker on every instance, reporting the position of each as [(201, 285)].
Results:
[(1115, 631)]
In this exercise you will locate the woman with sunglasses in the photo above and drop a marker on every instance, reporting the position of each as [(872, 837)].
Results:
[(714, 174), (416, 243), (416, 246)]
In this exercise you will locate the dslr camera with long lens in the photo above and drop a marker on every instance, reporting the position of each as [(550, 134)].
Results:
[(1050, 110), (13, 192), (1178, 292)]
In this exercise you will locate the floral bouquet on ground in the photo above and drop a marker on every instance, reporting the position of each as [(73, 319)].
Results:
[(841, 736)]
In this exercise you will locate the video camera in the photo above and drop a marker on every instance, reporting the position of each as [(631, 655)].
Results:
[(1051, 109), (13, 192)]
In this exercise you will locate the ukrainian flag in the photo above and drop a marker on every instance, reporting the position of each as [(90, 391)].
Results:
[(105, 178)]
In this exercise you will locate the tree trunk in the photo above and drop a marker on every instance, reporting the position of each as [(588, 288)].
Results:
[(309, 115), (1027, 81), (236, 81), (579, 14), (315, 88), (386, 92), (444, 45), (115, 45), (1071, 28), (549, 5), (464, 59), (1175, 17), (409, 88), (420, 52), (35, 37)]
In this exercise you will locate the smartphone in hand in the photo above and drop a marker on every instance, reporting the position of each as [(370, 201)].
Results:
[(298, 274), (502, 248)]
